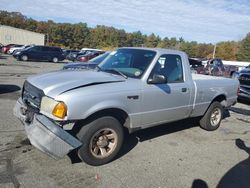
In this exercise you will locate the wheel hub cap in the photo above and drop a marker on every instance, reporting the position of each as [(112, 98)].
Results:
[(103, 143), (215, 117)]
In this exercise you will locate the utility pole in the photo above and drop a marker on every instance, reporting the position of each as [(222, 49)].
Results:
[(215, 46), (47, 39)]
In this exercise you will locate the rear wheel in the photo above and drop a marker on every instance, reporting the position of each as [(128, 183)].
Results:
[(24, 58), (102, 139), (212, 118)]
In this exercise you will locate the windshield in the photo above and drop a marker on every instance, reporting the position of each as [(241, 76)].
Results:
[(27, 48), (130, 62), (99, 58)]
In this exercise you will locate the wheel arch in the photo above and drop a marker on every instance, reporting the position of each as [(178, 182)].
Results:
[(220, 98), (117, 113)]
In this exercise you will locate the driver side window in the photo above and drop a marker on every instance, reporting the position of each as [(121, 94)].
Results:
[(35, 49), (170, 66)]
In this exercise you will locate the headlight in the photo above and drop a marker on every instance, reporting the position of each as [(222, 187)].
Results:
[(17, 53), (50, 106)]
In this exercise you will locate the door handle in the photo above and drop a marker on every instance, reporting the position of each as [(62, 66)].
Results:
[(184, 89), (133, 97)]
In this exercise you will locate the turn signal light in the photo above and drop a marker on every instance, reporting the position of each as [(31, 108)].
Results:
[(60, 110)]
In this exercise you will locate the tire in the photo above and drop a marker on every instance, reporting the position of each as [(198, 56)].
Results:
[(54, 59), (24, 58), (212, 118), (102, 140)]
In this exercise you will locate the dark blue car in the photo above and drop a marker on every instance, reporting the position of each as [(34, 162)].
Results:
[(40, 53)]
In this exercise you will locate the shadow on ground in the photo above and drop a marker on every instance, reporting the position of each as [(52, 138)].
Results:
[(238, 176), (244, 101), (198, 183), (2, 57), (7, 88), (131, 140), (240, 110)]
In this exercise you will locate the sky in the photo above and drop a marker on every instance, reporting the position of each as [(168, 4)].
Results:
[(208, 21)]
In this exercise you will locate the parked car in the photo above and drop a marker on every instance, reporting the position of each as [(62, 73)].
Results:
[(40, 53), (215, 67), (15, 49), (6, 48), (66, 52), (90, 49), (89, 56), (91, 64), (73, 56), (1, 46), (21, 49), (244, 77), (10, 51), (89, 110), (196, 66)]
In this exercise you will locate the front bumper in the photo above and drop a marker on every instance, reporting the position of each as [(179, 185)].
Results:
[(44, 134), (244, 91)]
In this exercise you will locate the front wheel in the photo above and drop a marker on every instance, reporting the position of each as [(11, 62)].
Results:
[(102, 139), (24, 58), (212, 118)]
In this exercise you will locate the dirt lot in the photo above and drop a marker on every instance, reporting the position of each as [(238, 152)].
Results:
[(172, 155)]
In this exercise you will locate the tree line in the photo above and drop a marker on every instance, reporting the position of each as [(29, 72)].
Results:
[(79, 35)]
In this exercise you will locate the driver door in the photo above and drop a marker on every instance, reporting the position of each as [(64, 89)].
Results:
[(169, 101)]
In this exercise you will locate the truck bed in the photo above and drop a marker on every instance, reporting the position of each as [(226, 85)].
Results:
[(206, 77), (207, 87)]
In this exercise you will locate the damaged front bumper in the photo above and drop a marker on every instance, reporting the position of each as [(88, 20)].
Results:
[(44, 134)]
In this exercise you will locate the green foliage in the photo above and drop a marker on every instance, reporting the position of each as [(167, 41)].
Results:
[(189, 47), (204, 50), (77, 36), (172, 43), (226, 50), (152, 41), (244, 50)]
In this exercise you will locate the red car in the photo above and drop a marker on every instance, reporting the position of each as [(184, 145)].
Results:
[(6, 48), (88, 56)]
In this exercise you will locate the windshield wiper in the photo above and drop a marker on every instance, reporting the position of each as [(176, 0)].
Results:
[(98, 68), (114, 71)]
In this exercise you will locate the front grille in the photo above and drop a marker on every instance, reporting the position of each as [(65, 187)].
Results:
[(245, 90), (244, 79), (31, 95)]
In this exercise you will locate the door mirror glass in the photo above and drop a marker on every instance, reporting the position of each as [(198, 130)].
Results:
[(157, 79)]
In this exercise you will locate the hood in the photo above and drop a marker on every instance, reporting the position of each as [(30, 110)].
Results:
[(55, 83), (73, 66), (246, 71)]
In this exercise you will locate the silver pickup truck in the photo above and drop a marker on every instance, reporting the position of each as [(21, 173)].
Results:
[(133, 89)]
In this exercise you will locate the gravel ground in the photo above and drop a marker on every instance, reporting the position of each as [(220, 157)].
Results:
[(171, 155)]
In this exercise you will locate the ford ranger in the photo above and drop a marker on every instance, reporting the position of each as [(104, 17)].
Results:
[(133, 88)]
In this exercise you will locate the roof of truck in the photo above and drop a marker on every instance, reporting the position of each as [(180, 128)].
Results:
[(160, 50)]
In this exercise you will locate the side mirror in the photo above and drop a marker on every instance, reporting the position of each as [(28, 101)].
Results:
[(157, 79)]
